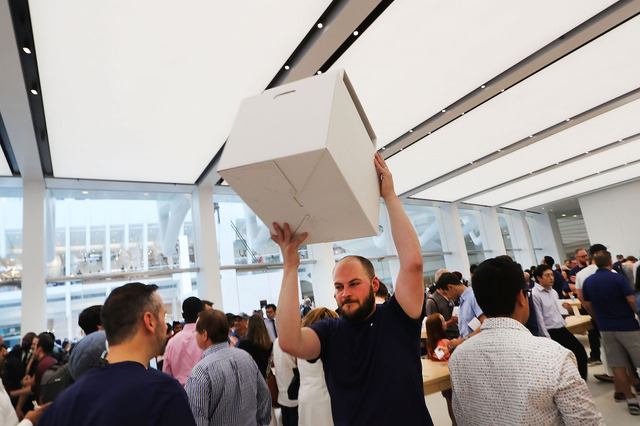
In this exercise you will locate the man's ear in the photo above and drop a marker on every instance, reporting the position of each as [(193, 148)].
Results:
[(521, 300), (205, 335), (149, 322), (375, 282)]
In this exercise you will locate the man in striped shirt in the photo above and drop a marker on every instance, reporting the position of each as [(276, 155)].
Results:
[(225, 388)]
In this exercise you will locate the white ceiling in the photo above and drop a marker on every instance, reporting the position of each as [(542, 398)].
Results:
[(147, 91)]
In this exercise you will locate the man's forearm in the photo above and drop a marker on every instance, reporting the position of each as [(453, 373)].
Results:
[(289, 310), (404, 234)]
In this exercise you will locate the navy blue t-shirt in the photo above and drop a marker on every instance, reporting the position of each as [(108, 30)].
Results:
[(373, 369), (124, 393), (608, 292)]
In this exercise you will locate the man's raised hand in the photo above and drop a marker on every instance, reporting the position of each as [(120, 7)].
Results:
[(288, 243)]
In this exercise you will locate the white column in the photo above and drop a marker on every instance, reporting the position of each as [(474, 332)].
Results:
[(549, 235), (453, 242), (521, 228), (206, 245), (33, 265), (492, 235), (322, 274), (145, 245), (106, 251)]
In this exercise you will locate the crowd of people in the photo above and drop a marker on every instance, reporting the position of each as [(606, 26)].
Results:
[(503, 334)]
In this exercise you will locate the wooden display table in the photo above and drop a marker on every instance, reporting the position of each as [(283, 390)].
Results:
[(579, 325), (435, 376)]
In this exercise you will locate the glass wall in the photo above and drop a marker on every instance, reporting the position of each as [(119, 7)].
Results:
[(99, 240), (535, 239), (473, 233), (251, 271), (10, 263)]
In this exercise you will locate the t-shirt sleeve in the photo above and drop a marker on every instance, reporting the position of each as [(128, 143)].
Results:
[(410, 324), (179, 411), (626, 287), (323, 330), (585, 291)]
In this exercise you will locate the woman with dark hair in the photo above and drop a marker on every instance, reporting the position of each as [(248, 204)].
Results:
[(437, 339), (438, 350), (257, 343)]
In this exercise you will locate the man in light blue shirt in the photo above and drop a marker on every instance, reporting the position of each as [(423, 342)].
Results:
[(550, 320), (226, 387), (454, 290)]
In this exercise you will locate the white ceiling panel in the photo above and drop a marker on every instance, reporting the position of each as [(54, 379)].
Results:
[(148, 90), (420, 56), (574, 189), (4, 166), (601, 130), (591, 164), (598, 72)]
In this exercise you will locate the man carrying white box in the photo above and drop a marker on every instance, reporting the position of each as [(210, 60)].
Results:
[(371, 355)]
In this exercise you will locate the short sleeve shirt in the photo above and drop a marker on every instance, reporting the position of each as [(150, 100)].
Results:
[(374, 365), (469, 309), (608, 292)]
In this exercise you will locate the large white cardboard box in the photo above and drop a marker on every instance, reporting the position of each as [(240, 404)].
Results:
[(303, 153)]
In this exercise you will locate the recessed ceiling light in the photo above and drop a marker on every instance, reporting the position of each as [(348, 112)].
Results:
[(355, 33), (619, 140), (410, 130), (483, 86), (575, 215), (383, 148), (564, 214), (85, 192), (462, 113), (499, 150), (444, 110), (26, 50), (543, 208), (530, 136), (319, 72), (34, 92), (320, 25), (286, 67), (568, 119), (502, 91)]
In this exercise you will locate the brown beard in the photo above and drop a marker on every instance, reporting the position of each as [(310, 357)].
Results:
[(363, 312)]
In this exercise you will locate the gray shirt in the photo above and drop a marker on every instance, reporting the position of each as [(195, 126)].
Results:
[(437, 304)]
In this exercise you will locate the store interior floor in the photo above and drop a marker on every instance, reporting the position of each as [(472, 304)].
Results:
[(612, 412)]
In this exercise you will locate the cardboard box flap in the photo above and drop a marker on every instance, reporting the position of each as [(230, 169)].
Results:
[(358, 105), (283, 121)]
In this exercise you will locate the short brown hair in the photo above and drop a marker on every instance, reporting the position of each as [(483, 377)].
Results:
[(602, 259), (124, 308), (215, 323), (316, 315), (366, 264)]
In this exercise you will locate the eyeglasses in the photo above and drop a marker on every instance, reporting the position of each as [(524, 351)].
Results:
[(526, 292)]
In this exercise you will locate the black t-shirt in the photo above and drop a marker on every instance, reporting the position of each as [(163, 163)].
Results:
[(373, 369), (124, 393)]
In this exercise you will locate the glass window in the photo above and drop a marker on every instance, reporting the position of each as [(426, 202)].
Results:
[(473, 234), (10, 264), (242, 237), (99, 234)]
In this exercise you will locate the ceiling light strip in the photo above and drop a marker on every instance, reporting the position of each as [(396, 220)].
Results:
[(611, 145), (604, 172), (586, 32), (563, 125)]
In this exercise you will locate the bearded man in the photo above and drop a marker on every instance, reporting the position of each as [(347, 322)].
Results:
[(371, 355)]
